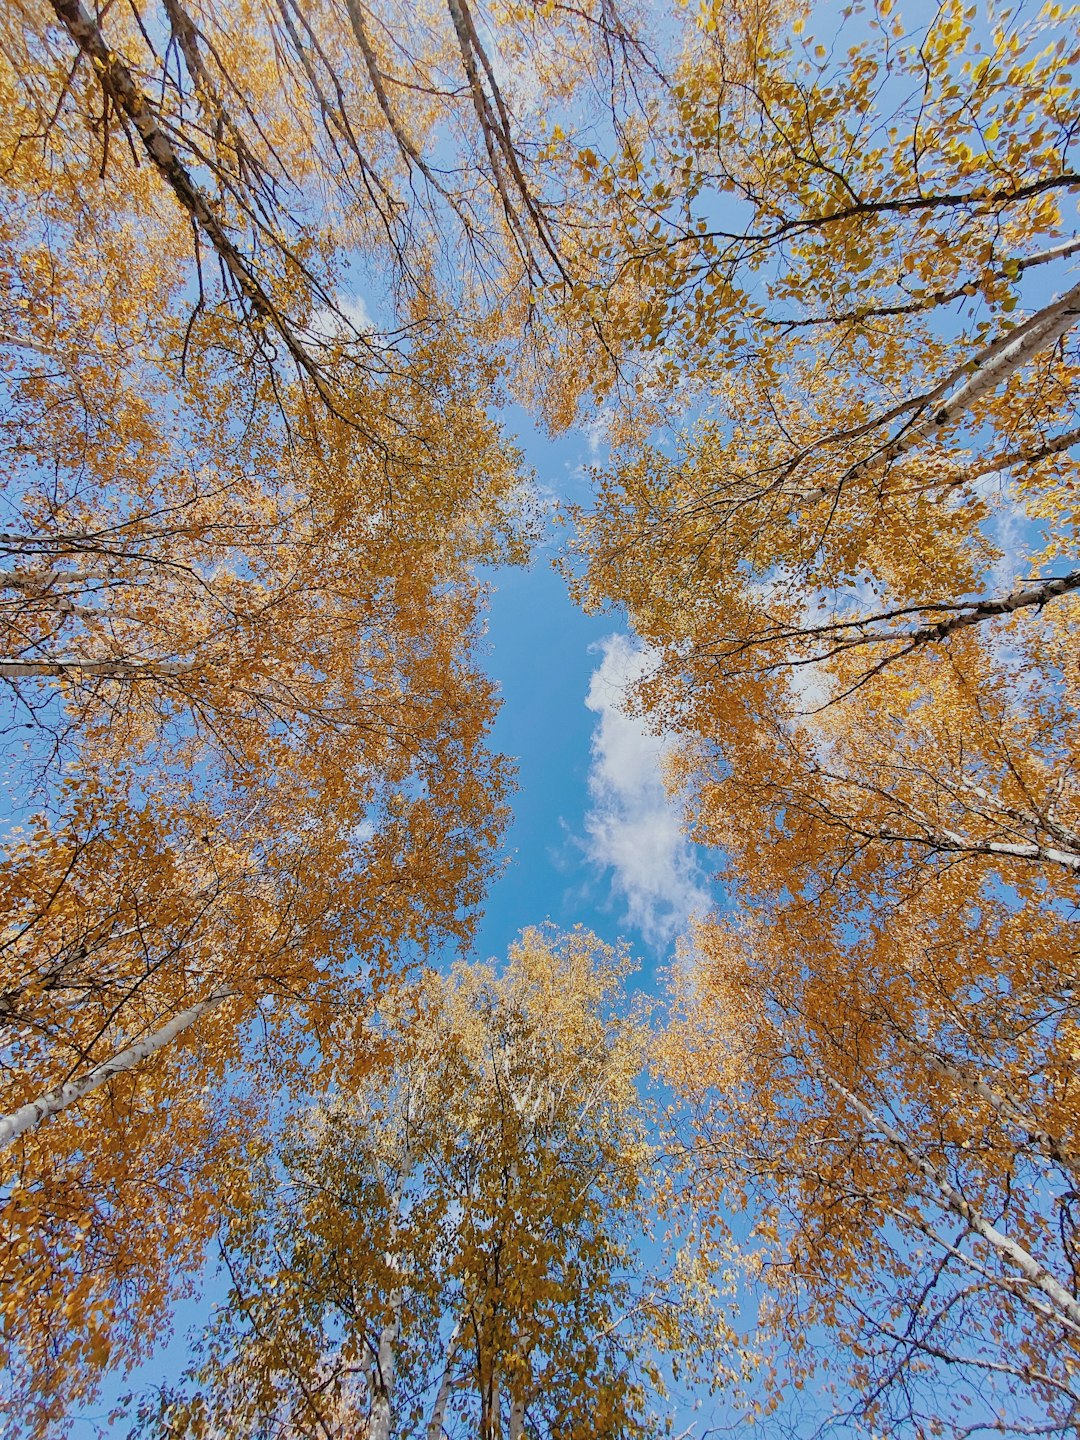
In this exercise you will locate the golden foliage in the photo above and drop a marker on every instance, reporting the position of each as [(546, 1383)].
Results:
[(875, 700), (247, 727), (451, 1248)]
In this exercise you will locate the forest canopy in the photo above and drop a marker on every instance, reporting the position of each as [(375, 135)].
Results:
[(286, 285)]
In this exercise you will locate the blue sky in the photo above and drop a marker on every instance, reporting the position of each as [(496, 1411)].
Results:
[(594, 839)]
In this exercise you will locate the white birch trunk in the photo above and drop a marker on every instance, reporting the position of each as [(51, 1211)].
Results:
[(952, 844), (1006, 1108), (983, 373), (1063, 1303), (516, 1429), (29, 1116), (1063, 251), (1066, 837), (119, 85), (495, 1417), (992, 606), (57, 357), (442, 1399), (110, 669), (43, 582), (1010, 458), (380, 1415)]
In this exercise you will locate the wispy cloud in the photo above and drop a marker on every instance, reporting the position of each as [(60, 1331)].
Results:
[(596, 432), (632, 827), (348, 319)]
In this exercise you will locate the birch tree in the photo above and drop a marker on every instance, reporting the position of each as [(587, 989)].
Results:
[(450, 1249), (278, 142), (244, 729), (856, 575), (249, 759), (878, 322)]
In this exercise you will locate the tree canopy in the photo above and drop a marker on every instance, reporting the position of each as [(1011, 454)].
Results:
[(452, 1248), (271, 272)]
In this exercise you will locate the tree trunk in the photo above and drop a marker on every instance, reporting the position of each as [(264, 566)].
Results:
[(380, 1415), (516, 1429), (29, 1116), (442, 1399), (108, 669), (119, 85), (985, 371), (1065, 1306)]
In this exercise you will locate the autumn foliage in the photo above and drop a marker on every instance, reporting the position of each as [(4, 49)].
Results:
[(454, 1247), (855, 570), (268, 271)]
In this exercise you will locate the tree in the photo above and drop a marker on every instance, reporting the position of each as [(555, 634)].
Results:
[(880, 1046), (450, 1248), (250, 746), (875, 702), (246, 730), (283, 141), (221, 550), (130, 921), (238, 613)]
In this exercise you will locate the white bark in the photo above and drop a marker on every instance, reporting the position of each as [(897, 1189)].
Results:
[(494, 1428), (994, 605), (1010, 458), (51, 544), (118, 83), (379, 1420), (517, 1418), (442, 1399), (81, 665), (1045, 816), (29, 1116), (1063, 251), (1006, 1108), (860, 630), (44, 581), (380, 1416), (43, 350), (953, 844), (405, 144), (981, 374), (1064, 1305)]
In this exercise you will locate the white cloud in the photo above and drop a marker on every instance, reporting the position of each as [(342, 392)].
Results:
[(349, 318), (632, 826), (811, 686), (596, 432), (1014, 534)]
